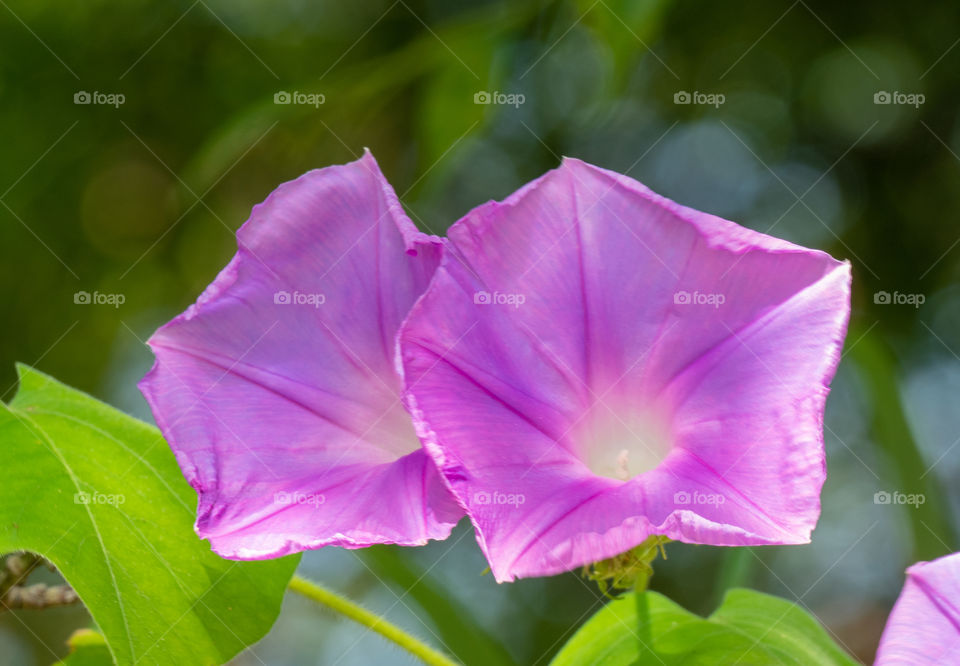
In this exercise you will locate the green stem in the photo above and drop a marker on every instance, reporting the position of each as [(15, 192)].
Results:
[(735, 571), (456, 626), (361, 615), (643, 613)]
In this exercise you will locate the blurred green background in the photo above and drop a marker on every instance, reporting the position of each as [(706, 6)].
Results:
[(142, 198)]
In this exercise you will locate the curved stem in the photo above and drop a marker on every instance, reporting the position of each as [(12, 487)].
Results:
[(361, 615)]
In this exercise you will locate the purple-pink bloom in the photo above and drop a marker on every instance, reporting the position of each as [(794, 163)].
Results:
[(594, 364), (924, 625), (278, 390)]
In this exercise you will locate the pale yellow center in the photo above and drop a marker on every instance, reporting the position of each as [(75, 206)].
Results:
[(624, 443)]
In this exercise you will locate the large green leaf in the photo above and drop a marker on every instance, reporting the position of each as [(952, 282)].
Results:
[(99, 494), (748, 628)]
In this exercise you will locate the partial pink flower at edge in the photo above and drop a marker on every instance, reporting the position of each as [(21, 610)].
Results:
[(594, 364), (278, 390), (924, 625)]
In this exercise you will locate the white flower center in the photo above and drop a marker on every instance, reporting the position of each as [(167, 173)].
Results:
[(622, 444)]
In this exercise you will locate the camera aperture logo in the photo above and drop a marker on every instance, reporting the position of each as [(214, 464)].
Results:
[(896, 298), (899, 98), (84, 497), (898, 498), (497, 298), (299, 298), (299, 98), (696, 498), (287, 499), (96, 298), (699, 98), (497, 97), (497, 498), (101, 99), (697, 298)]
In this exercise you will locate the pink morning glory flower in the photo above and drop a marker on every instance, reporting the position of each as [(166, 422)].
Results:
[(924, 625), (593, 364), (278, 389)]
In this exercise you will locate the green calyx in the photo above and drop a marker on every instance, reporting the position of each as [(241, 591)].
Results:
[(627, 571)]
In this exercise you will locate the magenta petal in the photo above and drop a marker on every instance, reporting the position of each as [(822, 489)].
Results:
[(278, 389), (924, 625), (593, 364)]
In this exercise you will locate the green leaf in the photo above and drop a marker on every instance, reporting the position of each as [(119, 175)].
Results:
[(749, 628), (785, 629), (100, 495)]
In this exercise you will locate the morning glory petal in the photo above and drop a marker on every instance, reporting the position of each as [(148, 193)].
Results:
[(278, 389), (594, 364), (924, 625)]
